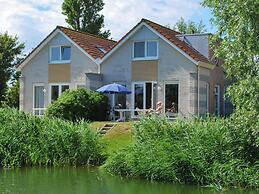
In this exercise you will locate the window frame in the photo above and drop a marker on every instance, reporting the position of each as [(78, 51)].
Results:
[(41, 110), (146, 57), (59, 89), (207, 86), (60, 54), (218, 99)]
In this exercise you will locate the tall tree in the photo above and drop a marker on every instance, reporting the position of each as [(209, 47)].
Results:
[(83, 15), (10, 52), (189, 27), (238, 29), (238, 32), (12, 94)]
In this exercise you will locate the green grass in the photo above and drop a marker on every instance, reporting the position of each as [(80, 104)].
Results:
[(118, 137)]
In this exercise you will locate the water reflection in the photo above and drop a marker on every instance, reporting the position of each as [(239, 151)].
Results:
[(87, 181)]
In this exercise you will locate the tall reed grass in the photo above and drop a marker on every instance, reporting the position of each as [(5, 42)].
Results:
[(29, 140), (200, 152)]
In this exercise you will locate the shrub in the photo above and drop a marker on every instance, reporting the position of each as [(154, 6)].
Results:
[(30, 140), (196, 152), (79, 104)]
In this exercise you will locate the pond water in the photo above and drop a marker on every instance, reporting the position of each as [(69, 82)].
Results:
[(85, 180)]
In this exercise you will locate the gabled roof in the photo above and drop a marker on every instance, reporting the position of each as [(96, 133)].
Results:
[(171, 36), (92, 44)]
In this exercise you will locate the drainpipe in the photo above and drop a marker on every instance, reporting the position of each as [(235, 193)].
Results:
[(198, 91), (98, 63)]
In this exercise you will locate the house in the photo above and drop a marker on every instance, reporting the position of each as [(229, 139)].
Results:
[(154, 62)]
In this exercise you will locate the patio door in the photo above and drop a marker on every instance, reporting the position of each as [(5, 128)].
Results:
[(171, 97), (38, 99), (144, 95)]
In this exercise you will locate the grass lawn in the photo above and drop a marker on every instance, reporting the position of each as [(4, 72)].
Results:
[(118, 137)]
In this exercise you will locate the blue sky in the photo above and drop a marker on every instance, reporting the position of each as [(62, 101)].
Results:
[(33, 20)]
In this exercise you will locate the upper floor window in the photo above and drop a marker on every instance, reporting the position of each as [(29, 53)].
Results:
[(146, 49), (60, 54)]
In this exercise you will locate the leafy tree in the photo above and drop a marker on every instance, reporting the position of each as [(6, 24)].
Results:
[(189, 27), (10, 52), (238, 32), (238, 29), (83, 15), (12, 95)]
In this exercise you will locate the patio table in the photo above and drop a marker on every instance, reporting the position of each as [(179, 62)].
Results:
[(122, 113)]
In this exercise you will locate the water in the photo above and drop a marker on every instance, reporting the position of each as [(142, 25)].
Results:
[(71, 180)]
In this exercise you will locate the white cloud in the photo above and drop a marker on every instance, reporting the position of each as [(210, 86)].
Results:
[(32, 20), (122, 15)]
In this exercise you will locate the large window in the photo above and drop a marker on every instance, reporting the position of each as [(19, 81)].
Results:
[(56, 91), (145, 49), (144, 95), (60, 54), (38, 99)]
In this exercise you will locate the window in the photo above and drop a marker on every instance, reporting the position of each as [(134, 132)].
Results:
[(139, 49), (60, 54), (38, 99), (65, 53), (217, 99), (147, 49), (207, 97), (144, 95), (152, 48), (101, 49), (56, 90)]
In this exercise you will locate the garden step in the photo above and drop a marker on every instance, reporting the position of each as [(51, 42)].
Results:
[(106, 128)]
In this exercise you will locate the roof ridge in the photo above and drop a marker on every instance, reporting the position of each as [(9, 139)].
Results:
[(178, 33), (87, 33)]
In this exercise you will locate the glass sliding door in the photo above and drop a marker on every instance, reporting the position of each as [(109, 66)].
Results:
[(148, 95), (154, 95), (139, 96), (38, 99), (144, 95), (171, 97)]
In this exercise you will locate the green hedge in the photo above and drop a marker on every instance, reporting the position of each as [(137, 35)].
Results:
[(79, 104), (28, 140), (205, 152)]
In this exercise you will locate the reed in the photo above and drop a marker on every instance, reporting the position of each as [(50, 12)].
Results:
[(29, 140), (202, 152)]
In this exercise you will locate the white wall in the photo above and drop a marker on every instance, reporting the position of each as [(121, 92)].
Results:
[(172, 66), (36, 71)]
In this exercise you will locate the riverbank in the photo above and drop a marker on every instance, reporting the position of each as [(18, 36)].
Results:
[(27, 140), (205, 152), (210, 152)]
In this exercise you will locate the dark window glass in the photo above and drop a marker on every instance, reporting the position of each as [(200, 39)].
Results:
[(152, 49), (65, 53), (64, 88), (55, 54), (54, 93), (139, 49)]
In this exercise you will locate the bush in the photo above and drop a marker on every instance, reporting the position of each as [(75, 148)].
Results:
[(30, 140), (79, 104), (196, 152)]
